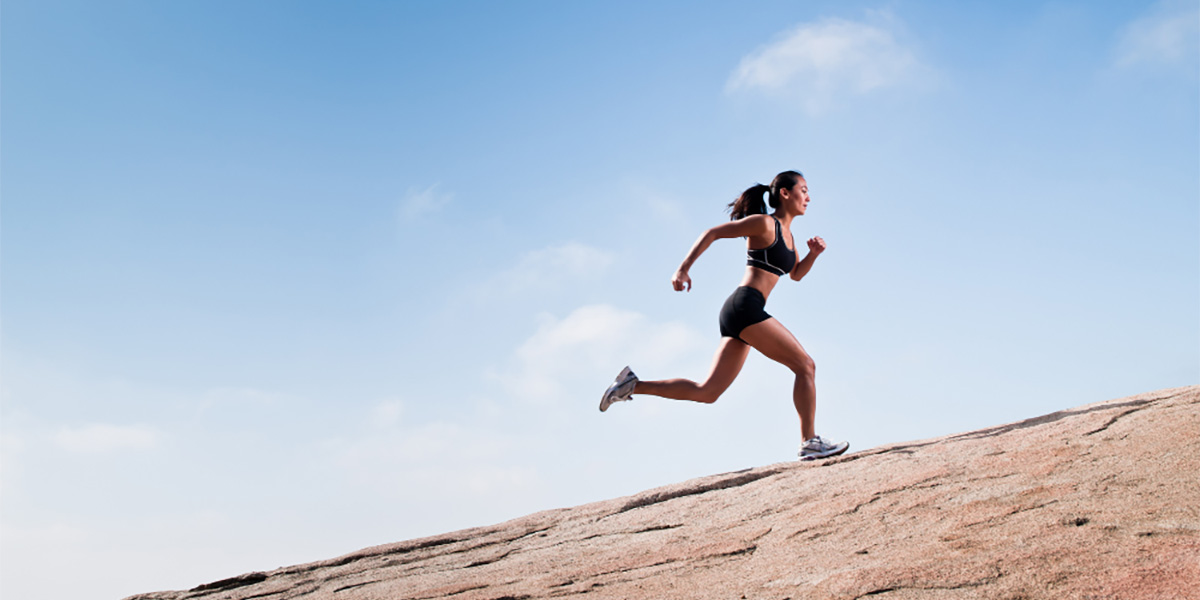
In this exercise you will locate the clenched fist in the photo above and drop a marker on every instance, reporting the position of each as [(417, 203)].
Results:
[(681, 282), (816, 245)]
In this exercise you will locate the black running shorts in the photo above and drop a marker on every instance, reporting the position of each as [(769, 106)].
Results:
[(743, 309)]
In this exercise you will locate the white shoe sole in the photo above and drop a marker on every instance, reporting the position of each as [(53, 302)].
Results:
[(834, 451)]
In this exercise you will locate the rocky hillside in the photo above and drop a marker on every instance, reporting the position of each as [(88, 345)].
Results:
[(1097, 502)]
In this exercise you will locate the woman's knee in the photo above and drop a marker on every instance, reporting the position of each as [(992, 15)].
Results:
[(804, 366)]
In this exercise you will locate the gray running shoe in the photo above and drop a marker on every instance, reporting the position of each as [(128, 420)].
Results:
[(621, 390), (819, 447)]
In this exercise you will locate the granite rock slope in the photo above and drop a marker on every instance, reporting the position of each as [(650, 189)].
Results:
[(1097, 502)]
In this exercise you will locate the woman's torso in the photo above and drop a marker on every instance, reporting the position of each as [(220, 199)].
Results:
[(772, 250)]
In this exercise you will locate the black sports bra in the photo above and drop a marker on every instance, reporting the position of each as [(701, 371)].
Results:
[(776, 258)]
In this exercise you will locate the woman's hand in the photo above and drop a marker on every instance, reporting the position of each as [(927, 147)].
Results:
[(681, 282), (816, 246)]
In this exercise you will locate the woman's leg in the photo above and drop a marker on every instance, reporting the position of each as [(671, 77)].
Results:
[(727, 363), (778, 344)]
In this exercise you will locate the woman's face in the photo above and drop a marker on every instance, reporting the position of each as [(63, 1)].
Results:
[(797, 197)]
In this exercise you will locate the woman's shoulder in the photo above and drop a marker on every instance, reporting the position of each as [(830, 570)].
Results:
[(762, 220), (755, 225), (748, 226), (763, 223)]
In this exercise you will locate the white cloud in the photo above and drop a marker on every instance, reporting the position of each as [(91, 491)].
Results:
[(387, 444), (558, 266), (821, 61), (418, 203), (116, 556), (239, 397), (444, 459), (101, 437), (663, 206), (1169, 34), (413, 445), (586, 348), (387, 414), (51, 535)]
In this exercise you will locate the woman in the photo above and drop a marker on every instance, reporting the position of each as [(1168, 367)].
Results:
[(771, 254)]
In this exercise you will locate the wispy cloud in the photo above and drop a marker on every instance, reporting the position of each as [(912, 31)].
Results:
[(822, 61), (387, 414), (445, 459), (1168, 34), (101, 437), (577, 351), (418, 203), (239, 398), (558, 267)]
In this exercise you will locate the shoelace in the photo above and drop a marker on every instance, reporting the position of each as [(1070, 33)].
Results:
[(817, 443)]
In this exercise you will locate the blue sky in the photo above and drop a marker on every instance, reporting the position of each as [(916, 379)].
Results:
[(282, 280)]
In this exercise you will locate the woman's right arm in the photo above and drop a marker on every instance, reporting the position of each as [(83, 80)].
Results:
[(749, 226)]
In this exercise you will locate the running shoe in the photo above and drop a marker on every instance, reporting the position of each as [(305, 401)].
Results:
[(621, 390), (819, 447)]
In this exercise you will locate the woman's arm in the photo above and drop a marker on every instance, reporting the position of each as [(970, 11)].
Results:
[(815, 247), (749, 226)]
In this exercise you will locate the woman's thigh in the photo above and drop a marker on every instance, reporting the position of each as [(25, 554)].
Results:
[(778, 344), (727, 363)]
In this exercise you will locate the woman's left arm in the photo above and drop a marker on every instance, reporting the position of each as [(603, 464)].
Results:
[(815, 247)]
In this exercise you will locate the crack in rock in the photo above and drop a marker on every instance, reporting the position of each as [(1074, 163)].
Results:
[(916, 485), (613, 533), (674, 562), (1046, 419), (1115, 419), (352, 586), (454, 593), (488, 561), (231, 583), (390, 552), (1014, 511), (721, 484), (1003, 429), (990, 579), (265, 595)]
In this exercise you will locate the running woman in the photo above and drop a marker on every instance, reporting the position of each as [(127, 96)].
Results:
[(770, 254)]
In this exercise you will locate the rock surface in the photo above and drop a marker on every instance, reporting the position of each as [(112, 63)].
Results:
[(1097, 502)]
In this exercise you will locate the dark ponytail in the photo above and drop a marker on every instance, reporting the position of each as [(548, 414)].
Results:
[(751, 200), (749, 203)]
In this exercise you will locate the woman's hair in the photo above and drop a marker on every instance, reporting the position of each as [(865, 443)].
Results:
[(751, 200)]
